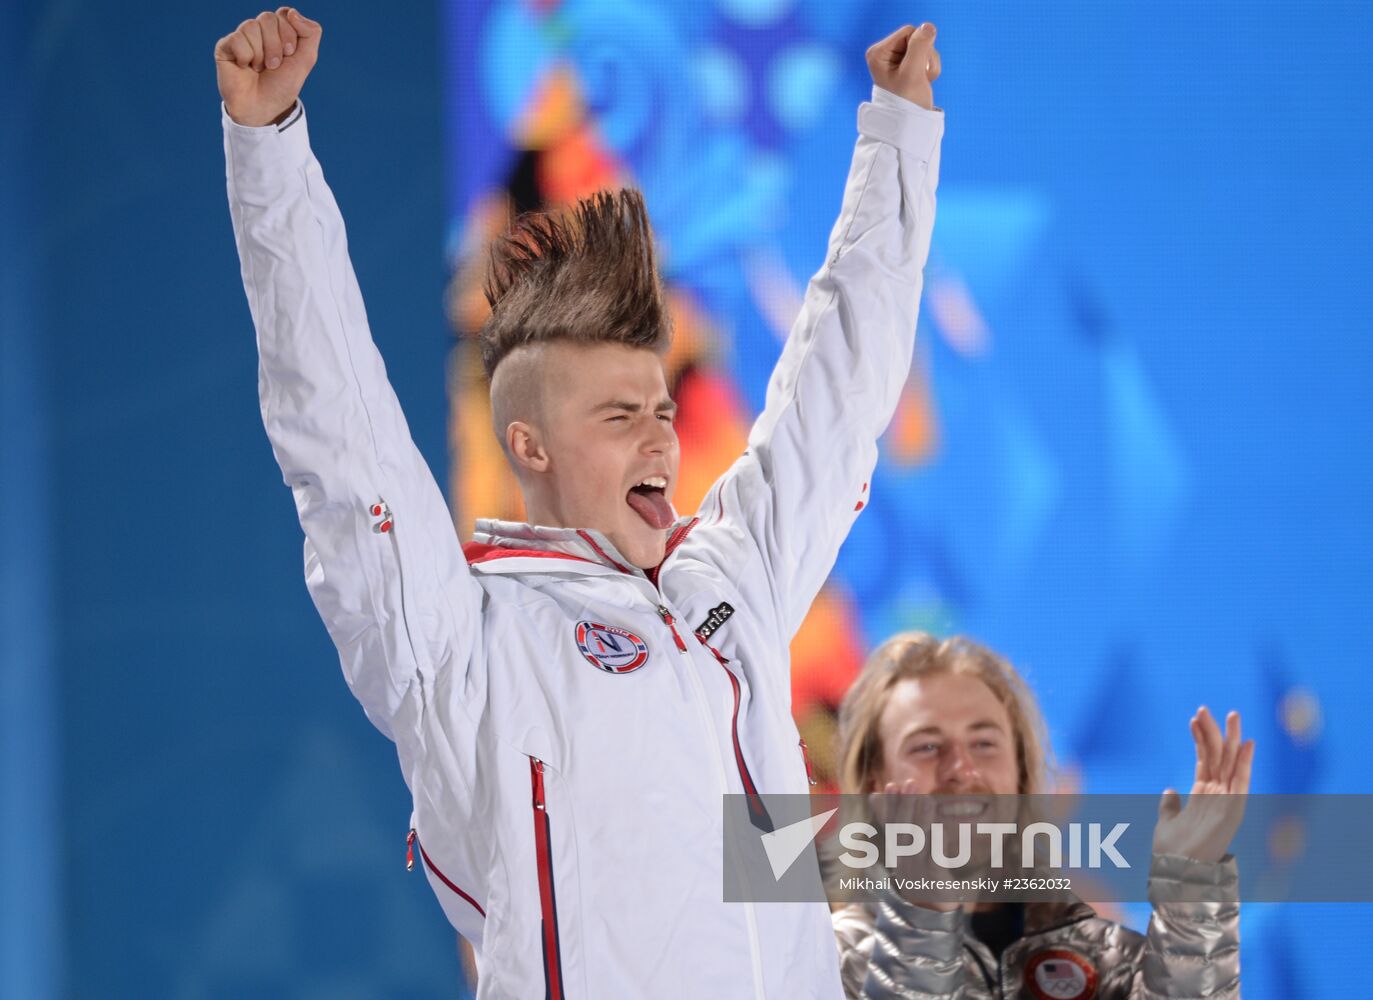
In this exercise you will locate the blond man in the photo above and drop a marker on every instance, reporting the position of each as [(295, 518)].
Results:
[(927, 718)]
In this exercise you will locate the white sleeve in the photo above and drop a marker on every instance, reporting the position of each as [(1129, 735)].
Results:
[(399, 604), (793, 496)]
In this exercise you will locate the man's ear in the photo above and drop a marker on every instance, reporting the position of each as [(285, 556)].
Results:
[(526, 447)]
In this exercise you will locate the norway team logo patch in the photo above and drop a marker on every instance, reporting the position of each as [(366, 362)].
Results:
[(610, 648), (1060, 974)]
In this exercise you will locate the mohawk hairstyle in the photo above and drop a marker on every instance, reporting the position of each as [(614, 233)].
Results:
[(588, 276)]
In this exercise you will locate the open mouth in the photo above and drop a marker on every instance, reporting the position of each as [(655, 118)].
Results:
[(963, 808), (649, 500)]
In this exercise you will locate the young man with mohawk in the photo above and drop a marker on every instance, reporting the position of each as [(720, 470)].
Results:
[(565, 735)]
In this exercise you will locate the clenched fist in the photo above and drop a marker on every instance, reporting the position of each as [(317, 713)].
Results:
[(907, 63), (262, 65)]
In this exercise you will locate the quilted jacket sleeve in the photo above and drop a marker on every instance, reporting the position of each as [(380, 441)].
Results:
[(1192, 948), (895, 949)]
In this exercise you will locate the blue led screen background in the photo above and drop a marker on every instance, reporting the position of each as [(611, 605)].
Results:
[(1127, 455), (1132, 453)]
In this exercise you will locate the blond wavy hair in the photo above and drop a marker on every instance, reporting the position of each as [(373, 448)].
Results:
[(911, 655)]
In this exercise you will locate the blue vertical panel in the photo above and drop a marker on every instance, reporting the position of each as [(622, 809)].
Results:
[(30, 905), (234, 827)]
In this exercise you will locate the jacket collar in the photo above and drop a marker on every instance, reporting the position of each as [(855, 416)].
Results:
[(513, 547), (1045, 916)]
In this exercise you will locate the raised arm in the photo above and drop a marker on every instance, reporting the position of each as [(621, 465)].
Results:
[(792, 498), (1192, 946), (382, 560)]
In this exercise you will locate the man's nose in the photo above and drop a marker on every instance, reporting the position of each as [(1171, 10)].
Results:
[(957, 769), (659, 437)]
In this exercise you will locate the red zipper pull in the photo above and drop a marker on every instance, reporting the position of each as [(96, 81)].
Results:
[(538, 783), (805, 756), (666, 615), (410, 851)]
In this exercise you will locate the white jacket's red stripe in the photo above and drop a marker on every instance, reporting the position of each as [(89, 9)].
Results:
[(757, 811), (548, 902), (478, 552)]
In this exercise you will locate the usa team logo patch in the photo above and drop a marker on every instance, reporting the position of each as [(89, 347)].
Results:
[(1060, 974), (610, 648)]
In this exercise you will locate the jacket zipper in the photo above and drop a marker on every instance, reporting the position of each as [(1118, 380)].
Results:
[(410, 842), (386, 527), (548, 903), (993, 987), (805, 757), (757, 811), (670, 622), (711, 747), (674, 540)]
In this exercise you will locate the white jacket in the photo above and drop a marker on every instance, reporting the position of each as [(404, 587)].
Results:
[(566, 737)]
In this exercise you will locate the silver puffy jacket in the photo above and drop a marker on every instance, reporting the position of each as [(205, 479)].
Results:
[(893, 948)]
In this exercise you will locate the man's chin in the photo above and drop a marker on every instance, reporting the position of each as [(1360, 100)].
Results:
[(645, 547), (652, 558)]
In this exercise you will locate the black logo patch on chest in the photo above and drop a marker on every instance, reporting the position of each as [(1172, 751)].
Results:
[(718, 616)]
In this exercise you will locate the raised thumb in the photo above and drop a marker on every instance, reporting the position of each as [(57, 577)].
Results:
[(1169, 805)]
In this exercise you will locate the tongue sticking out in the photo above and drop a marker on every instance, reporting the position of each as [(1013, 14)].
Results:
[(652, 506)]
